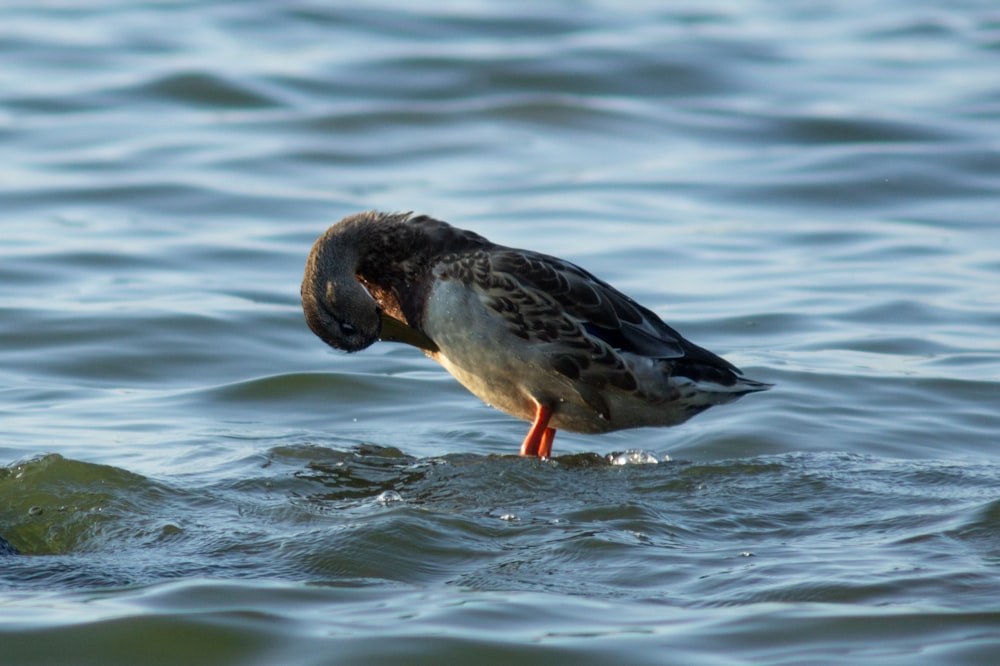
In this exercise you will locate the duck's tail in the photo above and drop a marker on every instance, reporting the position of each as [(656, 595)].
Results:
[(702, 386)]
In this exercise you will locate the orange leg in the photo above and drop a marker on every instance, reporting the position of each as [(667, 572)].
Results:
[(539, 441), (545, 446)]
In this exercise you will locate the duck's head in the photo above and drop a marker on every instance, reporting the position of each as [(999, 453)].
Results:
[(337, 307)]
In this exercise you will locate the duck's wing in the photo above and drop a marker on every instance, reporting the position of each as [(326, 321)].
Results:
[(590, 322), (601, 310)]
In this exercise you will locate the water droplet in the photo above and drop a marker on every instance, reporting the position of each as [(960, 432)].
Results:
[(387, 497)]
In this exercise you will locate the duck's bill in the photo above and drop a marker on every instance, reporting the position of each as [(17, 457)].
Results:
[(394, 330)]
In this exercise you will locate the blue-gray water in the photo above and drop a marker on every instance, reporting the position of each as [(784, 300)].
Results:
[(192, 477)]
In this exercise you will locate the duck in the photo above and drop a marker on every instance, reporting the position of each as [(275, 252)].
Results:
[(533, 335)]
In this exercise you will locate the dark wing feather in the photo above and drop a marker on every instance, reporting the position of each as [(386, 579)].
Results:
[(602, 310), (608, 315)]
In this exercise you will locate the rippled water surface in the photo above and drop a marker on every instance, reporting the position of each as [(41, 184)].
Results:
[(188, 475)]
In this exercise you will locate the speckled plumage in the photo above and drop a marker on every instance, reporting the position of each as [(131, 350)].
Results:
[(535, 336)]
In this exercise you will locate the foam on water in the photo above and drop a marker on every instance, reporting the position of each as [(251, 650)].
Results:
[(636, 457)]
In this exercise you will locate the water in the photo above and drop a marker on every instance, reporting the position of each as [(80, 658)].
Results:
[(192, 477)]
